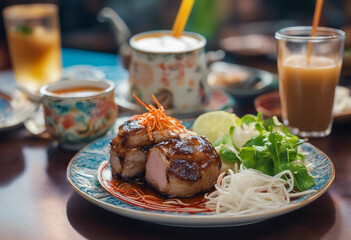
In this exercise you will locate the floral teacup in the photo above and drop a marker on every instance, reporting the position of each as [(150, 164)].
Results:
[(78, 111), (173, 69)]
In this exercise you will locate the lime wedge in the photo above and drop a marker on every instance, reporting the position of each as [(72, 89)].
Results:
[(214, 125)]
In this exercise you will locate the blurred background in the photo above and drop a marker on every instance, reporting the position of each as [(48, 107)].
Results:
[(223, 22)]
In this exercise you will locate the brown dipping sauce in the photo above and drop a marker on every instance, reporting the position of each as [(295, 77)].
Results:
[(83, 91)]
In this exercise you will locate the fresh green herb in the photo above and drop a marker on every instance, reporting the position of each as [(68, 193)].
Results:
[(247, 119), (260, 140), (228, 155), (302, 179), (225, 143), (24, 29), (272, 150), (231, 131), (226, 139), (257, 157)]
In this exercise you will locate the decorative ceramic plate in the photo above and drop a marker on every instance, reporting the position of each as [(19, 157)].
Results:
[(14, 109), (253, 81), (220, 100), (82, 173)]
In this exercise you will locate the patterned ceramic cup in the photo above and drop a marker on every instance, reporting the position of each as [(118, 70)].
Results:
[(177, 77), (76, 118)]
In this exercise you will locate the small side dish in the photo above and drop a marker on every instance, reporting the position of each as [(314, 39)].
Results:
[(238, 80), (224, 74), (15, 108)]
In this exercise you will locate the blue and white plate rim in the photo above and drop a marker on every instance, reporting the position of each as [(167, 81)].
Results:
[(19, 112)]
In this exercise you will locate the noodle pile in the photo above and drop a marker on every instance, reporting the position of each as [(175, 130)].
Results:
[(251, 191)]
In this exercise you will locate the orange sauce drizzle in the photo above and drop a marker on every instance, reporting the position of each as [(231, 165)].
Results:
[(144, 196)]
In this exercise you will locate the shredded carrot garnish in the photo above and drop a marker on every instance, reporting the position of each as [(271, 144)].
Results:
[(157, 120)]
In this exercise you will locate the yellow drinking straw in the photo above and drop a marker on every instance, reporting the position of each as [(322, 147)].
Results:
[(315, 23), (182, 17)]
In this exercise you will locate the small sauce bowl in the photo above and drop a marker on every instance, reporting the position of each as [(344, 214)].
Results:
[(269, 104)]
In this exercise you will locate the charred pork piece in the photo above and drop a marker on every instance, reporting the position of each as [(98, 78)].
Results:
[(182, 167), (128, 149), (131, 134), (129, 164), (127, 156)]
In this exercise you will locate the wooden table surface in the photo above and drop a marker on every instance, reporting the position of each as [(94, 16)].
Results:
[(37, 202)]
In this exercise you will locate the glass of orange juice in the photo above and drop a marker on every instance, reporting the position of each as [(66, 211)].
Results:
[(34, 40), (308, 78)]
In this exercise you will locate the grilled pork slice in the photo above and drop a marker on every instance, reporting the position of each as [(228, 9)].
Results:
[(129, 164), (128, 149), (182, 167)]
